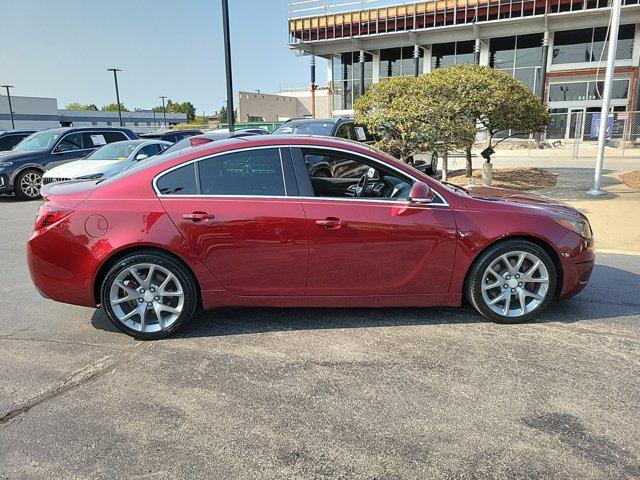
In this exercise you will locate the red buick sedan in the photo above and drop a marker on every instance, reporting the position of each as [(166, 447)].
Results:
[(250, 222)]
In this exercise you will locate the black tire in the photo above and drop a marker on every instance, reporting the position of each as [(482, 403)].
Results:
[(473, 284), (432, 168), (24, 192), (185, 278)]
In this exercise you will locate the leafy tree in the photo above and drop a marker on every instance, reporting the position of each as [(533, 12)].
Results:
[(77, 106), (185, 107), (410, 116), (494, 99), (113, 107)]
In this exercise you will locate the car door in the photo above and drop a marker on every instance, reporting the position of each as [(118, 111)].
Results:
[(241, 214), (373, 246), (72, 146)]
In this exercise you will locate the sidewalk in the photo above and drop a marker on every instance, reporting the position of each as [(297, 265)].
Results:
[(615, 218)]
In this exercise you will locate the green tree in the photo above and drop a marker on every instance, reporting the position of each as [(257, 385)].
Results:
[(185, 107), (113, 107), (496, 101), (409, 116), (77, 106)]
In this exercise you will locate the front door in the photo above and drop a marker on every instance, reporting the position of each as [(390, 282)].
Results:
[(374, 245), (240, 216)]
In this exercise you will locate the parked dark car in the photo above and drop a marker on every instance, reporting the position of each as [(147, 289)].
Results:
[(170, 136), (342, 127), (10, 138), (21, 169)]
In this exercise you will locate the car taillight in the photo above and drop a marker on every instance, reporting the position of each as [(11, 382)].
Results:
[(50, 215)]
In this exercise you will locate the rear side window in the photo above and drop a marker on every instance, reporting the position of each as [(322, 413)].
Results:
[(111, 137), (248, 173), (181, 181)]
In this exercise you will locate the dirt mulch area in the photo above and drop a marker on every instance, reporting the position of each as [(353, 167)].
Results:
[(631, 179), (514, 178)]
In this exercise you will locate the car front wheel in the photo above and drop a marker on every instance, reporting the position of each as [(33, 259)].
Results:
[(27, 185), (512, 282), (148, 295)]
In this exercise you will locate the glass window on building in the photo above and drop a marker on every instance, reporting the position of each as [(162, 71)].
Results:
[(588, 45), (399, 62), (520, 55), (452, 53), (568, 92), (346, 78), (619, 91)]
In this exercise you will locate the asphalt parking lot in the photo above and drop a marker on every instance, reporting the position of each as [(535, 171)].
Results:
[(311, 393)]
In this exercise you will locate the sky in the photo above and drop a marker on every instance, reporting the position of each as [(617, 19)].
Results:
[(62, 48)]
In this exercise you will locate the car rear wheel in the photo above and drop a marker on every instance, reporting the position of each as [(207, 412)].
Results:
[(149, 296), (27, 185), (512, 282)]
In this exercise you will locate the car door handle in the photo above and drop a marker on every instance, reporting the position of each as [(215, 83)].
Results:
[(198, 216), (331, 223)]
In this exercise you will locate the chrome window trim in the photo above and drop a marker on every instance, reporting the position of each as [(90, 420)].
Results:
[(441, 203)]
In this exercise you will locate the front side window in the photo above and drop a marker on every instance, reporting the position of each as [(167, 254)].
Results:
[(247, 173), (340, 175), (73, 141)]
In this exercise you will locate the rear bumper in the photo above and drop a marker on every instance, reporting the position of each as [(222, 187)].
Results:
[(577, 264), (62, 266)]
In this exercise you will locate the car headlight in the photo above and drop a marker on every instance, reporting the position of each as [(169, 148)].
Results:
[(5, 164), (91, 177), (577, 225)]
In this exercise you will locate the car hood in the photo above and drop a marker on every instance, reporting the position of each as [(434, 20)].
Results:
[(81, 168), (520, 198), (11, 156)]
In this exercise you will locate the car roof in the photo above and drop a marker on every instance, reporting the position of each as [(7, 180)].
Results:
[(16, 132), (319, 120), (62, 130)]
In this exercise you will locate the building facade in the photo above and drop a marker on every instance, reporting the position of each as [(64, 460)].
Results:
[(40, 113), (556, 48), (292, 103)]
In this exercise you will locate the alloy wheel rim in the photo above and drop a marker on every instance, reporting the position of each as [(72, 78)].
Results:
[(515, 284), (31, 183), (146, 297)]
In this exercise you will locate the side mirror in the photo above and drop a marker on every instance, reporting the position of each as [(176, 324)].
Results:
[(141, 156), (421, 193)]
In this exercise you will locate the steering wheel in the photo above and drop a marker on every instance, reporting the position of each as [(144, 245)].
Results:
[(361, 186)]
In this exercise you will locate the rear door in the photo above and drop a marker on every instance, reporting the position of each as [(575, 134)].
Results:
[(241, 214), (373, 246)]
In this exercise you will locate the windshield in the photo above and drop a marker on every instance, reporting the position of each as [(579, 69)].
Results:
[(113, 151), (37, 142), (305, 128)]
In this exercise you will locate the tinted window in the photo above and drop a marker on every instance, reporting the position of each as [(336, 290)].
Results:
[(181, 181), (149, 150), (305, 128), (343, 131), (73, 141), (114, 136), (254, 172)]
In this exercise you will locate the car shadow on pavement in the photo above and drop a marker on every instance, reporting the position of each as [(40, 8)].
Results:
[(612, 294)]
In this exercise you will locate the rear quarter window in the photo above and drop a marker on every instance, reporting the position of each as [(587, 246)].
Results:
[(181, 181)]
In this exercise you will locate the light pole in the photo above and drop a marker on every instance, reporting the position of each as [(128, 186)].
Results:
[(227, 62), (115, 79), (164, 110), (7, 87), (606, 97)]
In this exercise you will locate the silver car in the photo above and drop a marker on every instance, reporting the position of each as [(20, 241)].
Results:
[(106, 161)]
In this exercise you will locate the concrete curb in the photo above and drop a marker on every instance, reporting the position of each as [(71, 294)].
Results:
[(617, 252)]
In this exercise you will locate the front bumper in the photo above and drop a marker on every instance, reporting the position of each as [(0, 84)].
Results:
[(5, 183), (577, 264)]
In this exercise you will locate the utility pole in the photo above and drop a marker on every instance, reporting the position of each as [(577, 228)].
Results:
[(164, 110), (7, 87), (227, 62), (115, 79), (606, 96)]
